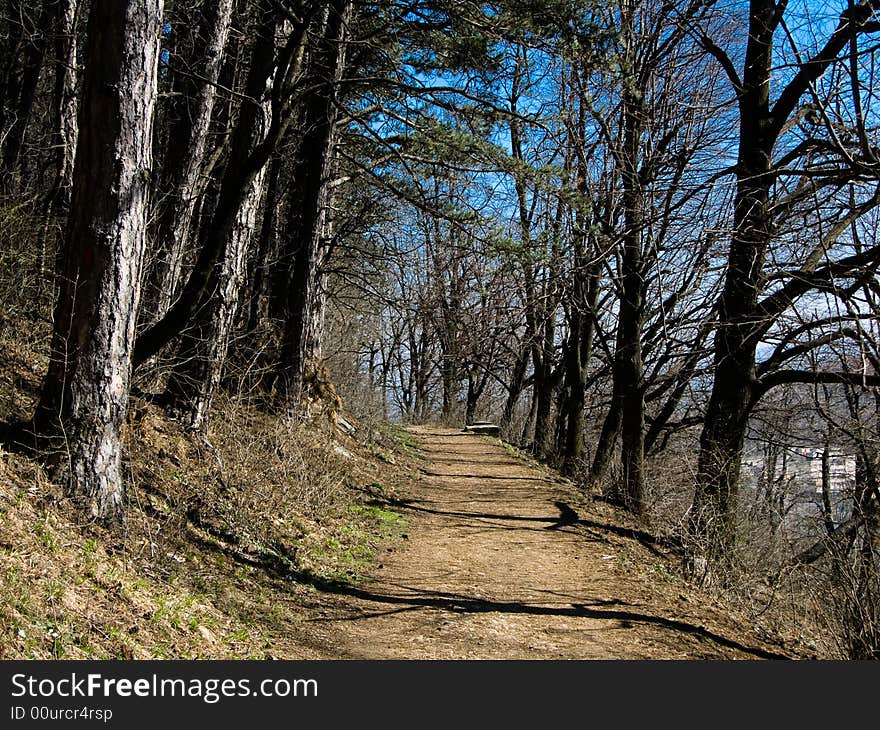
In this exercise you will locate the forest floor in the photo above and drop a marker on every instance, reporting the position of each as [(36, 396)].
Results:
[(505, 560), (279, 541)]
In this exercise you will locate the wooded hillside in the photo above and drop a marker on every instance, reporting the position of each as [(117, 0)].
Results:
[(640, 237)]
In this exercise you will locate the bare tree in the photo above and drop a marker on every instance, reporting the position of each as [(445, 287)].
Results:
[(747, 310)]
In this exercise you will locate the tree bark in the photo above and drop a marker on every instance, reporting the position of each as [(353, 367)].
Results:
[(628, 367), (204, 343), (721, 441), (515, 389), (267, 246), (544, 385), (66, 129), (578, 356), (246, 159), (546, 374), (85, 394), (189, 136), (308, 214), (607, 440)]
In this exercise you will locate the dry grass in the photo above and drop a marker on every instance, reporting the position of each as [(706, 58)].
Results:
[(225, 539)]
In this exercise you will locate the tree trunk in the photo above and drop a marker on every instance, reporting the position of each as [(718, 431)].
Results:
[(258, 277), (476, 386), (248, 154), (314, 336), (544, 386), (205, 342), (308, 212), (516, 387), (525, 438), (189, 136), (827, 504), (202, 354), (627, 413), (721, 442), (627, 368), (546, 375), (449, 381), (422, 376), (66, 129), (85, 393), (578, 356), (607, 441)]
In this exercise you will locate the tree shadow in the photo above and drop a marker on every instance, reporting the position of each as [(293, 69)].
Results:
[(282, 566), (568, 517), (598, 610), (492, 477), (448, 460)]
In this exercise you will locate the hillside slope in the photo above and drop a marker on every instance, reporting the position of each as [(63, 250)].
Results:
[(274, 540)]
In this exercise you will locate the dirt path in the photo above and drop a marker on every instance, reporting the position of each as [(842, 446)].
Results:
[(499, 565)]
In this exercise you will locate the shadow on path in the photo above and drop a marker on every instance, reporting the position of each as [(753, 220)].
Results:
[(567, 517), (458, 603), (493, 477)]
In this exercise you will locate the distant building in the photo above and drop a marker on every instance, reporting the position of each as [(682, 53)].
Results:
[(796, 478), (842, 470), (802, 468)]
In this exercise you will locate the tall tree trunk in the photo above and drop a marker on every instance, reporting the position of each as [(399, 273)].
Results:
[(204, 343), (65, 128), (188, 142), (584, 298), (313, 345), (526, 436), (202, 354), (308, 214), (627, 366), (546, 375), (267, 245), (422, 376), (626, 416), (712, 515), (607, 440), (85, 393), (544, 386), (578, 356), (515, 389), (248, 154)]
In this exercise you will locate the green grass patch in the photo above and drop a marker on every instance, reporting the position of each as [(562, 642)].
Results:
[(399, 436), (384, 517), (348, 555)]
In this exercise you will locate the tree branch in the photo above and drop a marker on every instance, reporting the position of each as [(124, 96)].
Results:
[(812, 377), (853, 20)]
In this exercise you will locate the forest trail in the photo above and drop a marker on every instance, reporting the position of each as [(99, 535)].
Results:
[(497, 564)]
